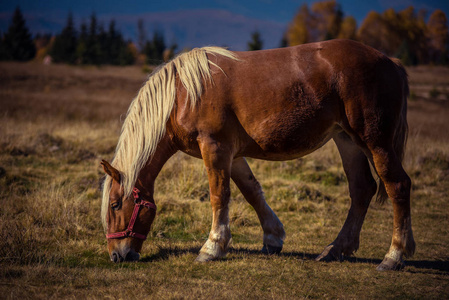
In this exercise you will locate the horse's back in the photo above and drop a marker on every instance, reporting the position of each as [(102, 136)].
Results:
[(284, 103)]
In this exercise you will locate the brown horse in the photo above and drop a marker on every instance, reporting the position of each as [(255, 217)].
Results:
[(277, 104)]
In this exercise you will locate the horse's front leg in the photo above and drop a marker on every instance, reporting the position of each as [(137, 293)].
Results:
[(273, 230), (217, 159)]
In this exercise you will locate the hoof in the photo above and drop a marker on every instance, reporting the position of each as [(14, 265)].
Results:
[(329, 254), (204, 257), (389, 264), (268, 250)]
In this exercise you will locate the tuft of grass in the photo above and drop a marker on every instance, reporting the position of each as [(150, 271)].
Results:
[(412, 96), (435, 160), (434, 93)]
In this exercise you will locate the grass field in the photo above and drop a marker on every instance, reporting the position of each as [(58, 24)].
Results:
[(56, 124)]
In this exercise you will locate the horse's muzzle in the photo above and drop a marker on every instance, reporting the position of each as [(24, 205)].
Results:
[(117, 257)]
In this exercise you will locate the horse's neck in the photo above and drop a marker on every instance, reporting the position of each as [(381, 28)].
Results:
[(148, 174)]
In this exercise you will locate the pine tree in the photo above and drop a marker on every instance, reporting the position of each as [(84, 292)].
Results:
[(118, 52), (103, 52), (93, 48), (284, 41), (82, 45), (113, 44), (17, 42), (127, 55), (405, 54), (141, 35), (154, 49), (65, 44), (3, 54), (256, 43), (98, 46), (158, 45)]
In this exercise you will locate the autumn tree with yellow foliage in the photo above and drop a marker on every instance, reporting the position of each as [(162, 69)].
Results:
[(404, 34), (322, 22), (438, 35), (401, 34), (348, 28)]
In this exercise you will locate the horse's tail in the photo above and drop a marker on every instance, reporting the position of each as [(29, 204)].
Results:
[(401, 133)]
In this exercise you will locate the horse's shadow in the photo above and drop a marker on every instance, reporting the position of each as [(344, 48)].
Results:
[(165, 252), (420, 265)]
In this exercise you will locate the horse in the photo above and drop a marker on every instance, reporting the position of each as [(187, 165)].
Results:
[(279, 104)]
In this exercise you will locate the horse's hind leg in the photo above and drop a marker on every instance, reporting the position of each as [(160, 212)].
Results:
[(273, 230), (397, 184), (362, 188)]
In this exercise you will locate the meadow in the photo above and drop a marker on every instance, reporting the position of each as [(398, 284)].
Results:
[(57, 122)]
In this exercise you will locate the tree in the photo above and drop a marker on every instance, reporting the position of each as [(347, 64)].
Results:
[(113, 44), (3, 53), (103, 47), (65, 44), (82, 44), (327, 19), (406, 55), (298, 31), (348, 28), (154, 49), (284, 41), (128, 54), (256, 43), (414, 29), (17, 42), (141, 35), (370, 31), (92, 54), (169, 53), (396, 32), (438, 36), (98, 46), (44, 43), (116, 49), (322, 22)]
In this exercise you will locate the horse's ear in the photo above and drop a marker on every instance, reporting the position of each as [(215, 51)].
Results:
[(110, 170)]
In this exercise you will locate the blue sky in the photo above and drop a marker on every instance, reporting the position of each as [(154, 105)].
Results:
[(193, 22)]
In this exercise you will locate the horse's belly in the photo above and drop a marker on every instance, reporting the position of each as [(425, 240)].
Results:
[(284, 141)]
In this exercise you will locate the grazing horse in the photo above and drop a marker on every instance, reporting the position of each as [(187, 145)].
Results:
[(278, 104)]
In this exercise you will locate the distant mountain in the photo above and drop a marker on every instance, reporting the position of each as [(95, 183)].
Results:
[(187, 28)]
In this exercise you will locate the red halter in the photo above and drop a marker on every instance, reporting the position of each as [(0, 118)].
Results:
[(129, 231)]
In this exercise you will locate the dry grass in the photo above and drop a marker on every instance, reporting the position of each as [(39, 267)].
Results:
[(58, 121)]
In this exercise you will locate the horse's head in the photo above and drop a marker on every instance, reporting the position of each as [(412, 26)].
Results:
[(128, 219)]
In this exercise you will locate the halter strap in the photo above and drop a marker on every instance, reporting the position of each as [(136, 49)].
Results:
[(129, 230)]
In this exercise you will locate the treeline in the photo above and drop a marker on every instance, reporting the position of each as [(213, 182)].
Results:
[(91, 44), (404, 34)]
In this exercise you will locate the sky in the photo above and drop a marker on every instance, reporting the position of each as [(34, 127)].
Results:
[(192, 23)]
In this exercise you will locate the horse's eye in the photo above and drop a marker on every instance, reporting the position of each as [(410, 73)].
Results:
[(115, 205)]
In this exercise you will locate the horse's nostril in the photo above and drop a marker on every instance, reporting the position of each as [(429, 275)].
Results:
[(116, 257), (132, 256)]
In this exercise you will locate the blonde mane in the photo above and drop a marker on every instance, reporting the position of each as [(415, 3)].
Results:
[(148, 114)]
